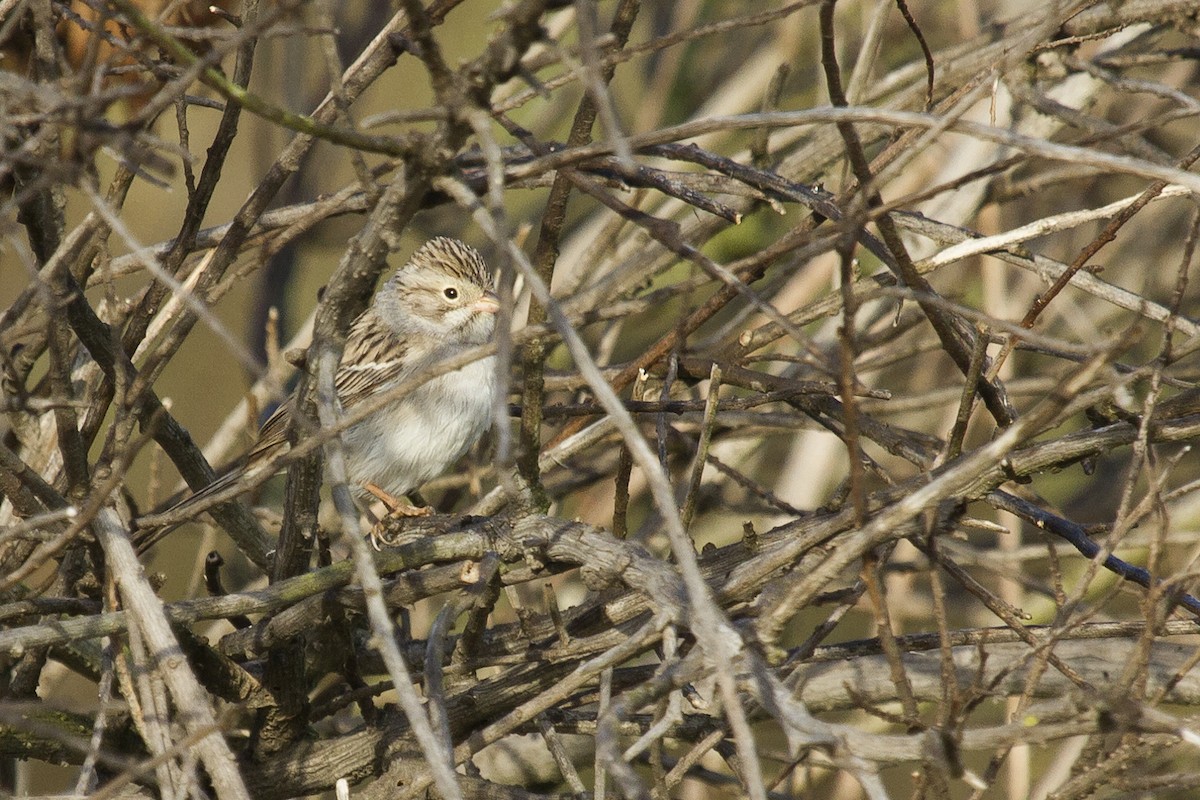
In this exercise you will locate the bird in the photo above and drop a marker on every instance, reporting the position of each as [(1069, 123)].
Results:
[(436, 306)]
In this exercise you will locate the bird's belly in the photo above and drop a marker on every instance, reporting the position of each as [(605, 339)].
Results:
[(404, 445)]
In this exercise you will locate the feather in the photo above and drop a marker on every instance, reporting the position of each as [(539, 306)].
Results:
[(436, 305)]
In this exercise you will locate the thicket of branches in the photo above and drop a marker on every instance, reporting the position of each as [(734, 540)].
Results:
[(850, 380)]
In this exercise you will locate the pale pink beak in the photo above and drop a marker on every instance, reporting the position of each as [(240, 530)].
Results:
[(488, 304)]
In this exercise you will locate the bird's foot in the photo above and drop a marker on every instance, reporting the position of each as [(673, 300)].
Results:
[(397, 508)]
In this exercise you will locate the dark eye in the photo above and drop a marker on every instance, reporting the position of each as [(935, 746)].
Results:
[(451, 293)]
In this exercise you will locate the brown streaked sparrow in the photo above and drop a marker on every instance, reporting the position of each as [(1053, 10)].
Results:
[(434, 307)]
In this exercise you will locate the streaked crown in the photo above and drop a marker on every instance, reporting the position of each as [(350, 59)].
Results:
[(454, 257)]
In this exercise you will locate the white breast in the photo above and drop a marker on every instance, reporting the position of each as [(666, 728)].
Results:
[(422, 435)]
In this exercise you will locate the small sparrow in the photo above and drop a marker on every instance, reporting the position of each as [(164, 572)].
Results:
[(433, 308)]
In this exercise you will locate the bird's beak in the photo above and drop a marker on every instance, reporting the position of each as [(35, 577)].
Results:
[(488, 304)]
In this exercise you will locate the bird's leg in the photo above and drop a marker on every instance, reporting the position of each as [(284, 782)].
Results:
[(396, 508)]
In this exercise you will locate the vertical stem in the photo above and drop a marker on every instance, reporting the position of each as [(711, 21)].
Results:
[(544, 257), (706, 428)]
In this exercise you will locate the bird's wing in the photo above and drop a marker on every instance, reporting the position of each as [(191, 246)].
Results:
[(374, 359), (273, 433)]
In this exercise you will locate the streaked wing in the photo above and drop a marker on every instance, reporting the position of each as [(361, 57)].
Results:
[(374, 358), (273, 433)]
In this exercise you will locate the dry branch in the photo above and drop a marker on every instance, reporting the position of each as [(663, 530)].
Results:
[(848, 423)]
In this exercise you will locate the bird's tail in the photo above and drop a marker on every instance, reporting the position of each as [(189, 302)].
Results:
[(150, 529)]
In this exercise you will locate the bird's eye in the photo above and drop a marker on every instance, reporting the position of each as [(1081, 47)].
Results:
[(451, 293)]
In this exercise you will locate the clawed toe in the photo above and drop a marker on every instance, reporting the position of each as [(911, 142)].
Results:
[(397, 508), (377, 535)]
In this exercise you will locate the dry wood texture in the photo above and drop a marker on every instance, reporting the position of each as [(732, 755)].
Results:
[(850, 365)]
